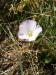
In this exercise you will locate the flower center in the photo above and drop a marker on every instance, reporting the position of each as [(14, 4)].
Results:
[(30, 34)]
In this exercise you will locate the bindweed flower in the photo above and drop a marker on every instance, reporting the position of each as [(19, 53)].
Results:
[(29, 30)]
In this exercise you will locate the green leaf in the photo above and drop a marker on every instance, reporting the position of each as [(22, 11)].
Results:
[(47, 60)]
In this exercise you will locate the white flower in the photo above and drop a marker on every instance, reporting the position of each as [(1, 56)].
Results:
[(29, 30)]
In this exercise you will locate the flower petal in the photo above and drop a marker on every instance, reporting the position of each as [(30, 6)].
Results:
[(23, 28), (31, 38), (27, 26), (32, 24), (37, 31), (22, 36)]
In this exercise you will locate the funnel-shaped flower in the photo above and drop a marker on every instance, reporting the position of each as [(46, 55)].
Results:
[(29, 30)]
